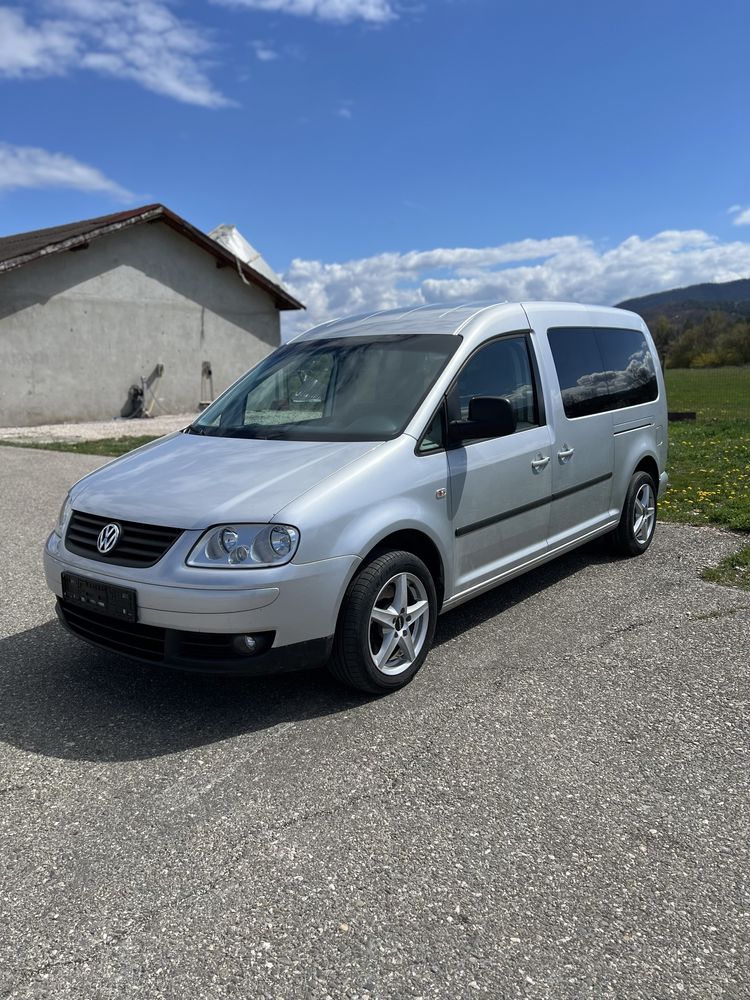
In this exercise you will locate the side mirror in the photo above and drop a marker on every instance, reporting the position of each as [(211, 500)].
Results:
[(489, 417)]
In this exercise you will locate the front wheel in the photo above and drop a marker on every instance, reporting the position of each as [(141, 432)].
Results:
[(386, 624), (635, 531)]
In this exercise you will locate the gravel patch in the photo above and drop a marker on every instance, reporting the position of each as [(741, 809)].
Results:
[(97, 430)]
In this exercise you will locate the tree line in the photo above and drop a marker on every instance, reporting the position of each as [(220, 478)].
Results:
[(714, 340)]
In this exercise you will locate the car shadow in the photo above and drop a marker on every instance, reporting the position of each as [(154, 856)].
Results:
[(61, 698)]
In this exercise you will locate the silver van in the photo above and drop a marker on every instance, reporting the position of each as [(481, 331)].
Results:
[(365, 477)]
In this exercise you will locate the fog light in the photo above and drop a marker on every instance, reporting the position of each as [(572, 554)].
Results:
[(247, 644), (254, 644)]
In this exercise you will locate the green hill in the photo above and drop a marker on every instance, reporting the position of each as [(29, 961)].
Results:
[(731, 297), (700, 326)]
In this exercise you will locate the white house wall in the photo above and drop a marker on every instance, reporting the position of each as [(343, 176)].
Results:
[(77, 329)]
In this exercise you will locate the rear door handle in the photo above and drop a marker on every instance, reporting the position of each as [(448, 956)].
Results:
[(565, 454), (539, 463)]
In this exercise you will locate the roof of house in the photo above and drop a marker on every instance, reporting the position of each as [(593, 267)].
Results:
[(22, 248)]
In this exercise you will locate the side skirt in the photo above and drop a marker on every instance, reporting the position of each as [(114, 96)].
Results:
[(509, 574)]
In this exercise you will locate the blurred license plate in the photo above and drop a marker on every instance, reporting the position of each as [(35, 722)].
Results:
[(103, 598)]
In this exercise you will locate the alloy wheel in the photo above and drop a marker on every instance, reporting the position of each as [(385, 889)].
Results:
[(644, 514), (399, 622)]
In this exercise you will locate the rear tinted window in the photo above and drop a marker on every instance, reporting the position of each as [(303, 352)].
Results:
[(602, 369), (629, 366)]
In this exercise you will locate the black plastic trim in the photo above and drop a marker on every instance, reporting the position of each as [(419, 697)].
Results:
[(561, 494), (141, 545), (442, 410), (154, 645)]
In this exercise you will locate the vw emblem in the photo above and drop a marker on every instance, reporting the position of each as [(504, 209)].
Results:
[(109, 536)]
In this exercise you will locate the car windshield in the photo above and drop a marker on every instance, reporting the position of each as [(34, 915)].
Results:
[(343, 389)]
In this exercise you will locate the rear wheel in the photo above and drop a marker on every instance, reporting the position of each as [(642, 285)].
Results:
[(386, 624), (635, 531)]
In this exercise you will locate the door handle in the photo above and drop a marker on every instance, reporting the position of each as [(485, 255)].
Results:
[(538, 463), (565, 454)]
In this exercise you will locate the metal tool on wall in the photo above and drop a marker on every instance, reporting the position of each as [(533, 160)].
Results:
[(207, 385)]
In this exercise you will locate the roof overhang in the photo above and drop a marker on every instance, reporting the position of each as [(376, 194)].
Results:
[(151, 214)]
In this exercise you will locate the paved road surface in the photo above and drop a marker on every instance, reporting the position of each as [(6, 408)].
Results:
[(557, 807)]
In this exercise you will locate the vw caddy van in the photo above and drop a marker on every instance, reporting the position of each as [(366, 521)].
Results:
[(365, 477)]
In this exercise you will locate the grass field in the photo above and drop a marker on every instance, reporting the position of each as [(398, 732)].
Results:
[(105, 446), (714, 393), (709, 459), (709, 474)]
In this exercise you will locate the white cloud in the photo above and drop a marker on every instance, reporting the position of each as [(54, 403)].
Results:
[(30, 167), (39, 50), (339, 11), (264, 52), (564, 267), (741, 215), (140, 40)]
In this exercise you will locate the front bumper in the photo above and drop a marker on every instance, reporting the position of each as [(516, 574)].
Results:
[(296, 604), (198, 652)]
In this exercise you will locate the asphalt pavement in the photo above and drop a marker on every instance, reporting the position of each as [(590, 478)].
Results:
[(556, 807)]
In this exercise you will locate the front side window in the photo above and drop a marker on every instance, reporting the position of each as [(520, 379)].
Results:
[(501, 369), (433, 438), (602, 369), (343, 389)]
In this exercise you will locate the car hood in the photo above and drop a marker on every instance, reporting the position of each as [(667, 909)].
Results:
[(187, 481)]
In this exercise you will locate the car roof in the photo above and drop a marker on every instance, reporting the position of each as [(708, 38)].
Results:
[(436, 318)]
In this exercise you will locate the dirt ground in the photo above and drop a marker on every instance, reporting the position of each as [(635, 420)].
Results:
[(96, 430)]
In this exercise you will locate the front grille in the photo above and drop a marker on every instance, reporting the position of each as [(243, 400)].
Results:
[(139, 544), (131, 638)]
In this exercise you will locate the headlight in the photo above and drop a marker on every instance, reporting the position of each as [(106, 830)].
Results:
[(245, 546), (63, 517)]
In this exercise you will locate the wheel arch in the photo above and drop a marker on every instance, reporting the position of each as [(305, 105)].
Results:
[(648, 464), (419, 544)]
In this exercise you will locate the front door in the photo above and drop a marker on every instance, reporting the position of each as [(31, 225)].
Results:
[(500, 488)]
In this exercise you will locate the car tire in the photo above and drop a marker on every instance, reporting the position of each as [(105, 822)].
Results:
[(635, 531), (386, 624)]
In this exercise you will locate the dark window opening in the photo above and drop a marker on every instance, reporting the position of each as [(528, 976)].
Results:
[(502, 369), (344, 389), (602, 369)]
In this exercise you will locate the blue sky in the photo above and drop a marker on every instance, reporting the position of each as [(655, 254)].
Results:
[(380, 152)]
